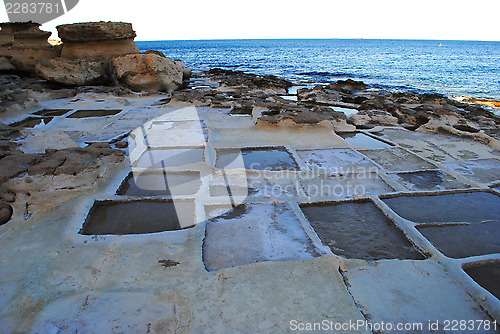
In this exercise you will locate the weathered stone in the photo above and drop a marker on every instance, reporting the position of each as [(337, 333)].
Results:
[(95, 31), (23, 44), (235, 78), (148, 72), (97, 41), (74, 73), (155, 52)]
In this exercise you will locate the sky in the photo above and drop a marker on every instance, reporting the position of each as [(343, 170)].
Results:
[(233, 19)]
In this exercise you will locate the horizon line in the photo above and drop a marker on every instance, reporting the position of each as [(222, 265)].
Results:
[(316, 38)]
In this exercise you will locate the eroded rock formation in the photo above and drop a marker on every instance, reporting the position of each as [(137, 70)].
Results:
[(97, 41), (68, 162), (22, 45)]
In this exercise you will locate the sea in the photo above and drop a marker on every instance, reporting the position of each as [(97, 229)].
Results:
[(452, 68)]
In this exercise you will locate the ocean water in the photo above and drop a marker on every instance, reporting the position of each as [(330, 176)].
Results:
[(457, 68)]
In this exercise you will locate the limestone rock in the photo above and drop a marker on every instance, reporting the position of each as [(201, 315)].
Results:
[(71, 72), (97, 41), (148, 72), (23, 44), (155, 52)]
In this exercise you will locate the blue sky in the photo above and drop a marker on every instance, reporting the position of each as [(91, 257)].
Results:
[(219, 19)]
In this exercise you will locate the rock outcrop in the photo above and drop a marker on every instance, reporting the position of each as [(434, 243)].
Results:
[(97, 41), (69, 162), (149, 72), (72, 72), (22, 45)]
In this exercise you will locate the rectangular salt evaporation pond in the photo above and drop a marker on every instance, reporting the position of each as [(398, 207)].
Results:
[(428, 180), (358, 139), (359, 230), (254, 233), (474, 207), (487, 276), (337, 161), (262, 158), (33, 122), (138, 217), (52, 112), (158, 158), (482, 170), (87, 113), (460, 241), (159, 184), (396, 159)]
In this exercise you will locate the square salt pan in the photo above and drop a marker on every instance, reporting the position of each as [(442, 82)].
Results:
[(439, 148), (397, 159), (339, 161), (428, 180), (255, 233), (359, 230), (411, 292), (482, 170), (343, 187), (158, 159)]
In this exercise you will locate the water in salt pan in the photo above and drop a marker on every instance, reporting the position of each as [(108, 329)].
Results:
[(159, 184), (465, 207), (428, 180), (52, 112), (460, 241), (137, 217), (258, 158), (86, 113), (359, 230), (255, 233), (362, 140), (33, 122), (487, 276)]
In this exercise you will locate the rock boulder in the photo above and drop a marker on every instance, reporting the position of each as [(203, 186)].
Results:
[(149, 72), (71, 72)]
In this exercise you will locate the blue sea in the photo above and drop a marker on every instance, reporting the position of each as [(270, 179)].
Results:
[(456, 68)]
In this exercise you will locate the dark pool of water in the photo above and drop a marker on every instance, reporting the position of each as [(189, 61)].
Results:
[(362, 140), (459, 241), (159, 184), (487, 276), (467, 207), (360, 231), (32, 122), (52, 112), (429, 180), (258, 158), (94, 113), (131, 218)]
